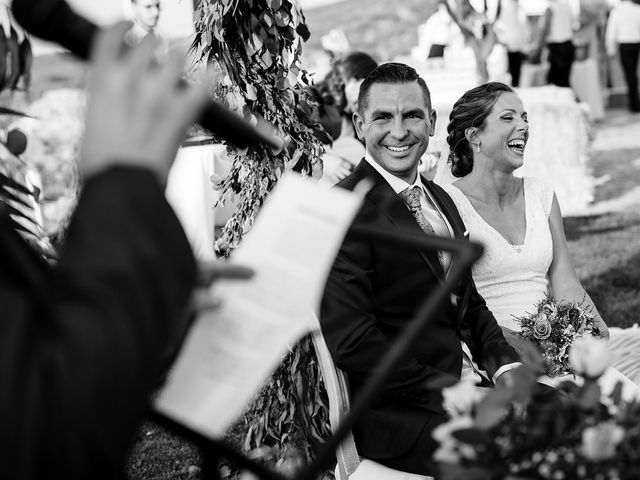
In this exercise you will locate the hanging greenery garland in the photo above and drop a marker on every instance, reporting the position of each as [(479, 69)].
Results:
[(256, 46)]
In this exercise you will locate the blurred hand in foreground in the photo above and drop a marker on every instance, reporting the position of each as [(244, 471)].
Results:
[(208, 272), (138, 111)]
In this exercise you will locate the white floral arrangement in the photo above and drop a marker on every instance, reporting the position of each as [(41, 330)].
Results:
[(518, 430)]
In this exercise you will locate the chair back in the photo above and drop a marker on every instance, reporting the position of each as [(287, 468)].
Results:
[(338, 392)]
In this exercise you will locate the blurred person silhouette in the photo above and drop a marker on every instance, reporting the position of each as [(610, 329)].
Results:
[(145, 15), (435, 34), (557, 34), (327, 114), (513, 32), (623, 37), (84, 342), (343, 82)]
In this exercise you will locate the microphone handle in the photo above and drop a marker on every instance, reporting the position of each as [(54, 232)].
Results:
[(55, 21)]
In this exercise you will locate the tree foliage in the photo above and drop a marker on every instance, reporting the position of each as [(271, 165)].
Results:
[(256, 46)]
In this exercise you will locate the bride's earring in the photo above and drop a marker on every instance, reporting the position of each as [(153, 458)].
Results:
[(478, 147)]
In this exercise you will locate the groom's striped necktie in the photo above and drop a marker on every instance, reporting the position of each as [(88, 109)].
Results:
[(411, 197)]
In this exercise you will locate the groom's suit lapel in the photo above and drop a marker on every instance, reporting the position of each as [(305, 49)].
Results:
[(448, 208), (394, 209), (461, 292)]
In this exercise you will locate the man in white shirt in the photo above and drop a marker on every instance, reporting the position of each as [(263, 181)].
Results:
[(623, 32), (557, 32), (513, 32), (145, 15), (374, 289)]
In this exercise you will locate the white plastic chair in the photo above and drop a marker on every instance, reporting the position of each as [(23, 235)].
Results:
[(349, 464)]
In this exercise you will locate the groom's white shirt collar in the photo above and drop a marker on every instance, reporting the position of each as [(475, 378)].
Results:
[(397, 184)]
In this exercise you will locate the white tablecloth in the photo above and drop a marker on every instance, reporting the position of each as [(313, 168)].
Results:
[(585, 81), (190, 192)]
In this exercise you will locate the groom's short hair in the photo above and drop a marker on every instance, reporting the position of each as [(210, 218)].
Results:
[(391, 72)]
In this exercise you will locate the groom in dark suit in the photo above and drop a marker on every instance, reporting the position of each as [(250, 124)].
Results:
[(375, 288)]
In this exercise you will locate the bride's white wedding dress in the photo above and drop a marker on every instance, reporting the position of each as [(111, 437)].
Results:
[(513, 278)]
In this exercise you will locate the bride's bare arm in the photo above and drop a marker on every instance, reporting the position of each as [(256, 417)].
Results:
[(563, 279)]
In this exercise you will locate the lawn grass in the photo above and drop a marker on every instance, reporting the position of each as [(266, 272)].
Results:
[(606, 253)]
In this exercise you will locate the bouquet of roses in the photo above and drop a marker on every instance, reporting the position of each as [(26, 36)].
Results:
[(553, 328)]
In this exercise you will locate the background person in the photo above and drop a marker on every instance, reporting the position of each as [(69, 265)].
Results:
[(435, 34), (145, 15), (513, 32), (343, 82), (557, 35), (623, 32)]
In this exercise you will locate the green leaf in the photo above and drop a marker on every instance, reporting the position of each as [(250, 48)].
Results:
[(282, 18), (524, 381), (589, 395), (252, 94), (303, 31), (473, 436), (616, 394), (493, 408)]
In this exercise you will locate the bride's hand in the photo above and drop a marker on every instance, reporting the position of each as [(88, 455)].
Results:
[(602, 327)]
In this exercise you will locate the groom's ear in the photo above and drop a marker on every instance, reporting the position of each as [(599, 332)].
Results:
[(433, 116), (358, 122)]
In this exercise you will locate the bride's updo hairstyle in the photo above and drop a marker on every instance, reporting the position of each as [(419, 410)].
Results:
[(470, 110)]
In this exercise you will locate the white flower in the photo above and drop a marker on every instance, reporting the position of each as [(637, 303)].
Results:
[(460, 399), (450, 449), (600, 442), (589, 356)]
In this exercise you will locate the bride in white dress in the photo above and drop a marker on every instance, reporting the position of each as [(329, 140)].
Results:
[(518, 221)]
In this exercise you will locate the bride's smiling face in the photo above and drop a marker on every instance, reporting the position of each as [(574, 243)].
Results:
[(504, 136)]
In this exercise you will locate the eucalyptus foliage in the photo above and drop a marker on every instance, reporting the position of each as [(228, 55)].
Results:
[(256, 47)]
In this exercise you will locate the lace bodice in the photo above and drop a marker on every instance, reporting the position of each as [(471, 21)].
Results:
[(511, 278)]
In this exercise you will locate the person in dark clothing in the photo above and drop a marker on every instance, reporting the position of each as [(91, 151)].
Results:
[(83, 343)]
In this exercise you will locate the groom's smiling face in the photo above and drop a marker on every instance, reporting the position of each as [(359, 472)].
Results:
[(395, 124)]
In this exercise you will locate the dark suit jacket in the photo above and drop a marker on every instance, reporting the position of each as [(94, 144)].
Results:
[(373, 289), (82, 343)]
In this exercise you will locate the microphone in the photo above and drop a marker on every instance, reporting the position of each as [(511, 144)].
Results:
[(55, 21)]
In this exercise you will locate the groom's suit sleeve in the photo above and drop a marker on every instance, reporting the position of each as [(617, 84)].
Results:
[(82, 344), (492, 350), (355, 339)]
